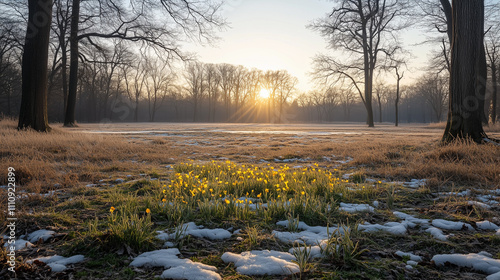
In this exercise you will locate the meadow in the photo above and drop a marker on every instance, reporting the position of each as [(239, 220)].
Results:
[(233, 201)]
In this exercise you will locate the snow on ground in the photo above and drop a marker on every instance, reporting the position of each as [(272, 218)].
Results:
[(412, 257), (59, 263), (487, 225), (450, 225), (310, 235), (438, 234), (20, 243), (263, 262), (314, 251), (480, 262), (463, 193), (175, 268), (352, 208), (479, 204), (411, 219), (415, 183), (390, 227), (197, 231), (40, 234)]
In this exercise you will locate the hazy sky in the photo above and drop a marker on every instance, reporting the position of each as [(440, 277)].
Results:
[(272, 35)]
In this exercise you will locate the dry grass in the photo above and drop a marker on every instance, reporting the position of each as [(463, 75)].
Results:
[(66, 160), (73, 158)]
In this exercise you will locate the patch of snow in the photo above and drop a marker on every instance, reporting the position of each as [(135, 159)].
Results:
[(263, 262), (390, 227), (410, 218), (488, 198), (412, 263), (349, 159), (479, 204), (497, 191), (412, 257), (347, 176), (409, 267), (197, 231), (352, 208), (19, 244), (59, 263), (176, 268), (438, 234), (494, 276), (314, 251), (487, 225), (119, 180), (40, 234), (375, 204), (450, 225), (463, 193), (478, 262), (311, 235), (415, 183)]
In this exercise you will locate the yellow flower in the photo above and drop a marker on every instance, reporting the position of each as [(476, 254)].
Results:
[(148, 211), (259, 195), (227, 201), (164, 200), (112, 209), (303, 193)]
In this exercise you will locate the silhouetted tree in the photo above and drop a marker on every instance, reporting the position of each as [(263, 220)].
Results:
[(365, 30), (467, 75), (33, 112)]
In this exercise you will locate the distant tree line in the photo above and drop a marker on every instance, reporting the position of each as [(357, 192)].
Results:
[(126, 70)]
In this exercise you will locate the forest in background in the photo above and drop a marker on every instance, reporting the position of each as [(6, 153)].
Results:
[(121, 80)]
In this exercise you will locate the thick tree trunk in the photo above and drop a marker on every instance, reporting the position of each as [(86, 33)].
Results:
[(466, 79), (69, 118), (33, 113)]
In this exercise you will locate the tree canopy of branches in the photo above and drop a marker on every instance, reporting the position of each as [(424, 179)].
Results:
[(364, 30)]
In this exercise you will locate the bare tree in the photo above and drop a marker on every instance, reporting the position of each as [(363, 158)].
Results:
[(158, 82), (468, 68), (33, 112), (134, 85), (433, 88), (226, 72), (381, 92), (213, 80), (365, 30), (196, 84), (492, 46), (141, 21)]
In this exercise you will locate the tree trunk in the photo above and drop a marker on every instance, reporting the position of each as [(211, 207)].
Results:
[(69, 118), (379, 109), (466, 80), (396, 105), (494, 93), (33, 113), (368, 98)]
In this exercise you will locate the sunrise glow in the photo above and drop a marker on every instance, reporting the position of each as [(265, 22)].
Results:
[(264, 93)]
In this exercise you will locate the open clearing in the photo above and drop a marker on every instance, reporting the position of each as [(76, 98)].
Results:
[(251, 201)]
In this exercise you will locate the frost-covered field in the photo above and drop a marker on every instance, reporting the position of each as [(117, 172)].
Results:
[(229, 201)]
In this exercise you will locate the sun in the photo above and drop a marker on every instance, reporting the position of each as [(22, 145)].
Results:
[(264, 93)]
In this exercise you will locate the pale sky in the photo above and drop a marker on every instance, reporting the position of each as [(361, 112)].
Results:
[(272, 35)]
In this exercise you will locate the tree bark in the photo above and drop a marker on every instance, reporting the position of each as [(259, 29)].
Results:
[(69, 118), (33, 113), (396, 103), (466, 76), (494, 93)]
